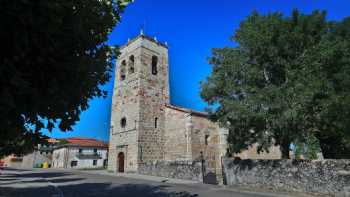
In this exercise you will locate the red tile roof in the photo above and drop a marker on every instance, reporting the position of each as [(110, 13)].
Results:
[(84, 142)]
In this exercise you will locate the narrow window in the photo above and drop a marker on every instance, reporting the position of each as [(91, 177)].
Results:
[(154, 65), (94, 162), (122, 70), (80, 150), (123, 122), (95, 150), (141, 153), (206, 139), (155, 122), (131, 64)]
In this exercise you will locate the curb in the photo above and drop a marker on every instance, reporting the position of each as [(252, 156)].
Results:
[(269, 194), (145, 177)]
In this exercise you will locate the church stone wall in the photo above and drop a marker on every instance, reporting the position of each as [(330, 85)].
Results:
[(177, 139), (192, 137), (153, 94), (206, 139), (173, 169)]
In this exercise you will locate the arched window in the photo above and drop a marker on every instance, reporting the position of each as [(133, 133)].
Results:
[(155, 122), (122, 70), (154, 65), (123, 122), (131, 64)]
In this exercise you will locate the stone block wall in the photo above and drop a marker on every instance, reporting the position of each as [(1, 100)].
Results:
[(323, 176), (172, 169), (177, 144)]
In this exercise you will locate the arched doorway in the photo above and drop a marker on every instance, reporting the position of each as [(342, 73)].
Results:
[(121, 162)]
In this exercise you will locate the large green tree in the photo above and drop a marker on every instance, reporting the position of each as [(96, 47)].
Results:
[(54, 59), (287, 79)]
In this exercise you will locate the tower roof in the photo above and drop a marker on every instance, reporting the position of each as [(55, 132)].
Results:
[(143, 36)]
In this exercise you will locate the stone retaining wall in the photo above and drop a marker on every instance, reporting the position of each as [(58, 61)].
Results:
[(324, 176), (174, 169)]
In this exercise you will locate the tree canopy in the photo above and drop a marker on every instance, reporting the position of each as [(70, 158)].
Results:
[(54, 59), (288, 79)]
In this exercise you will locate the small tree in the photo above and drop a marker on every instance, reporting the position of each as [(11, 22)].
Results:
[(278, 85)]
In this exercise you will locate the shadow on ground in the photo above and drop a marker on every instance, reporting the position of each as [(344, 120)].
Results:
[(125, 190), (95, 189), (15, 169), (37, 174), (76, 187)]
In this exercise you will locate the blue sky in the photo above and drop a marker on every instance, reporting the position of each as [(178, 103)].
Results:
[(191, 28)]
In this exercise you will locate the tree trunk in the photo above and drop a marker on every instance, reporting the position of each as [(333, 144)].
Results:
[(284, 147)]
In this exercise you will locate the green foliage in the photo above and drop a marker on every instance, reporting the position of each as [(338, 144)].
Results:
[(299, 150), (309, 149), (313, 147), (287, 79), (54, 59)]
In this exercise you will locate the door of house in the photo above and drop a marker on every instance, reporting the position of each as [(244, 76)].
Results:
[(121, 162)]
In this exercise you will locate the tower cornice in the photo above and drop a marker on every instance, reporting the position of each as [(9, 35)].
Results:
[(142, 36)]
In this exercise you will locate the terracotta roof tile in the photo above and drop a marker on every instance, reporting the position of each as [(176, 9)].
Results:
[(85, 142)]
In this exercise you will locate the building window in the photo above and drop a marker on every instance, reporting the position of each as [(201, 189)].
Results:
[(206, 139), (122, 70), (80, 150), (73, 163), (154, 65), (141, 152), (155, 122), (94, 162), (123, 122), (95, 150), (131, 64)]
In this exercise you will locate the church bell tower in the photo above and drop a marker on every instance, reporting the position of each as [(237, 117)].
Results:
[(141, 90)]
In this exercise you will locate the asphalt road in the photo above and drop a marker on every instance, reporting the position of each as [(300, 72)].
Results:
[(64, 183)]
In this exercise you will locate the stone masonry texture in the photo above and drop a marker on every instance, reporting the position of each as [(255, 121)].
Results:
[(323, 176), (173, 169)]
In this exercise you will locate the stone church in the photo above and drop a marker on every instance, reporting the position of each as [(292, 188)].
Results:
[(145, 126)]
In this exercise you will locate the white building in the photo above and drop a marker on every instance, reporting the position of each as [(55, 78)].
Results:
[(80, 153)]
